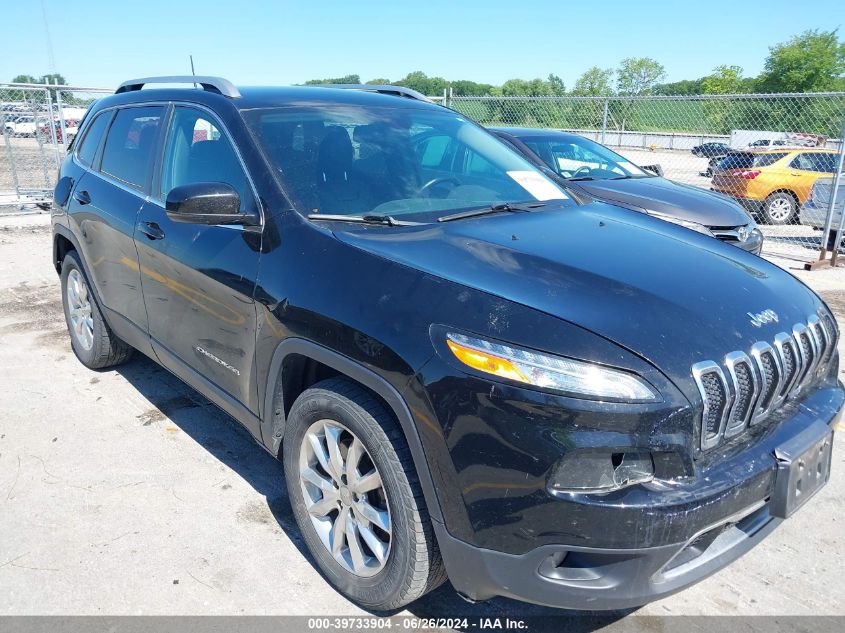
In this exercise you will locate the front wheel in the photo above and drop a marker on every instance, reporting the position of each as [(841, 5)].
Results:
[(780, 208), (356, 497)]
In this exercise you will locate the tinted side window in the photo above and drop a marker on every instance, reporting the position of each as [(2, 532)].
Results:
[(824, 162), (764, 160), (88, 149), (130, 144), (197, 151)]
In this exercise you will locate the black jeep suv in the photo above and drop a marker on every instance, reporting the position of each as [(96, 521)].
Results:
[(468, 371)]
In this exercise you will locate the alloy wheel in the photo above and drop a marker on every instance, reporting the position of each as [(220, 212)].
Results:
[(345, 497), (780, 209), (79, 307)]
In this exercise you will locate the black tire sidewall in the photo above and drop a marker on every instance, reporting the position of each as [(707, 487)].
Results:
[(384, 587), (87, 357)]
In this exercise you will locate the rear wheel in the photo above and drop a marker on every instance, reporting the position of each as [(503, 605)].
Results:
[(356, 497), (780, 208), (93, 342)]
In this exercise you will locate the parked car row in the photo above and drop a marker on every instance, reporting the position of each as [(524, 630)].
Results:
[(29, 126), (23, 126), (498, 358)]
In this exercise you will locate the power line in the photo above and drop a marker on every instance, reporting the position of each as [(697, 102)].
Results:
[(51, 58)]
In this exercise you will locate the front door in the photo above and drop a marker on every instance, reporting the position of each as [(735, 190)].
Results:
[(198, 280)]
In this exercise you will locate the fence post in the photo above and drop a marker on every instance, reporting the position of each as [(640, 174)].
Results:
[(61, 112), (52, 125), (828, 224), (837, 178), (11, 156), (604, 120)]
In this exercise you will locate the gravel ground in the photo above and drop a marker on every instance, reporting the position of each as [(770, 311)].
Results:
[(125, 492)]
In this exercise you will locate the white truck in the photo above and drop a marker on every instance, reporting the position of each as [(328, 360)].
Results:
[(761, 139)]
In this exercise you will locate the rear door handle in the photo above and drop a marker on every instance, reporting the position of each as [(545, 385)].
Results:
[(151, 230), (82, 197)]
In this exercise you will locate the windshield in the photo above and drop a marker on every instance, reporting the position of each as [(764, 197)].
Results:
[(578, 157), (410, 163)]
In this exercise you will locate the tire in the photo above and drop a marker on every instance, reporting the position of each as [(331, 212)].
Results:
[(780, 208), (411, 564), (91, 339)]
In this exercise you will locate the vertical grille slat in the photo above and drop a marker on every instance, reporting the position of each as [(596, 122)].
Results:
[(715, 396), (755, 386), (745, 386)]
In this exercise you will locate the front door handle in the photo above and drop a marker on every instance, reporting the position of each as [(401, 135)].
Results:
[(151, 230), (82, 197)]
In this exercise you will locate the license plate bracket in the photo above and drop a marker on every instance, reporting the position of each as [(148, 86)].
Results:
[(803, 468)]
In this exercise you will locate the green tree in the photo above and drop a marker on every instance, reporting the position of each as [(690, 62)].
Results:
[(348, 79), (419, 81), (466, 88), (638, 75), (379, 81), (53, 78), (24, 79), (813, 61), (556, 85), (595, 82), (724, 80), (683, 87)]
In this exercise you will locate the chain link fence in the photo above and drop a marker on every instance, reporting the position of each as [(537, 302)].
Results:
[(795, 139), (689, 137), (38, 123)]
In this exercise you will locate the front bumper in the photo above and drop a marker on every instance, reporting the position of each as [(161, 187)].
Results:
[(676, 535)]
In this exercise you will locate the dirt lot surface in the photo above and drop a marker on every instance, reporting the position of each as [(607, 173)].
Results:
[(125, 492)]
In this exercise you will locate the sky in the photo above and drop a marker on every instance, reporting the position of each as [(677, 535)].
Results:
[(101, 43)]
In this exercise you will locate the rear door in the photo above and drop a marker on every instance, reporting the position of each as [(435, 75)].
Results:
[(199, 280), (803, 171), (105, 204)]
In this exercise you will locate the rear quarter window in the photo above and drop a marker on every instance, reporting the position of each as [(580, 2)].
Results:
[(764, 160), (91, 141)]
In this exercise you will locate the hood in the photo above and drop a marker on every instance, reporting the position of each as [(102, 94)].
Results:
[(671, 198), (663, 292)]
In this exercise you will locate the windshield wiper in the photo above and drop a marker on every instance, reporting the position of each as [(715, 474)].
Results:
[(385, 220), (496, 208), (580, 178)]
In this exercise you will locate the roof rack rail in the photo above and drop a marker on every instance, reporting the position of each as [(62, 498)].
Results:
[(211, 84), (385, 89)]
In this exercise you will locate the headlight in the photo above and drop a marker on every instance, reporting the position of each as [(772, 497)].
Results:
[(549, 372), (693, 226)]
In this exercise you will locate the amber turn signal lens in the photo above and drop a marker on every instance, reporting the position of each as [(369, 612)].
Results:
[(485, 362)]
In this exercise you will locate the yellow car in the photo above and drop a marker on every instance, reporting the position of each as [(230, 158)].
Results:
[(773, 183)]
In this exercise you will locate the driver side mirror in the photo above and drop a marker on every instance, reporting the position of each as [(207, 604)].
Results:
[(207, 203)]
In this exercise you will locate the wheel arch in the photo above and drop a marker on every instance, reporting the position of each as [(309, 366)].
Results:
[(283, 385), (63, 243), (787, 191)]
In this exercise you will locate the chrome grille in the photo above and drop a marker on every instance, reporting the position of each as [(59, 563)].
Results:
[(752, 386), (745, 390)]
